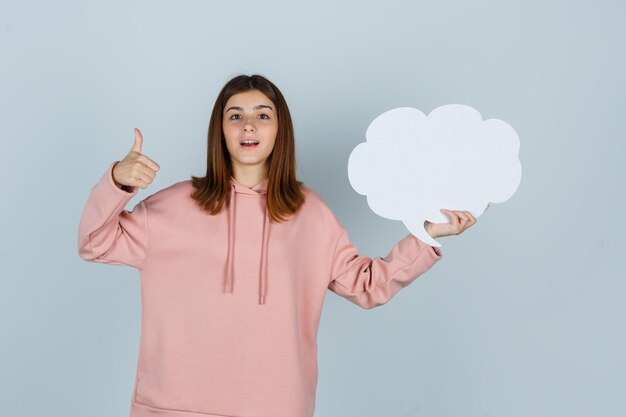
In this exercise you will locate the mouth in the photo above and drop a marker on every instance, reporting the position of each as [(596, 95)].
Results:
[(249, 143)]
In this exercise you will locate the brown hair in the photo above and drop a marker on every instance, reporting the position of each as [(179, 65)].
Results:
[(284, 191)]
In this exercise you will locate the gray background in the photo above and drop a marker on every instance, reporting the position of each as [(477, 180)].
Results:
[(524, 315)]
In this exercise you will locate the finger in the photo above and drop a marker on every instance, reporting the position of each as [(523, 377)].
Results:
[(146, 171), (461, 222), (458, 218), (470, 219), (138, 141), (464, 219), (142, 179), (455, 221), (459, 215), (449, 214), (149, 162), (141, 184)]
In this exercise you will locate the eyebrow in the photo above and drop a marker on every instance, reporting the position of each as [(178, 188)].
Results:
[(260, 106)]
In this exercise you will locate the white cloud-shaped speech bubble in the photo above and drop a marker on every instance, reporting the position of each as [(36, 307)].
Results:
[(412, 165)]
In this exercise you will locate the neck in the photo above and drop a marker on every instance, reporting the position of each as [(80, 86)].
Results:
[(249, 176)]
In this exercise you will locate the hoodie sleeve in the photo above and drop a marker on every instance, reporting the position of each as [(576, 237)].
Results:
[(108, 233), (370, 283)]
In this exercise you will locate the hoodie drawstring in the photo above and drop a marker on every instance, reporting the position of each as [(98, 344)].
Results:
[(228, 285), (263, 283)]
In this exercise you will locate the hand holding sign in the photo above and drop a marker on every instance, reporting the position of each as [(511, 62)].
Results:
[(135, 170), (412, 166)]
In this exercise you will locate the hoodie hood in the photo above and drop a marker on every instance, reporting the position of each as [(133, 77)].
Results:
[(260, 191)]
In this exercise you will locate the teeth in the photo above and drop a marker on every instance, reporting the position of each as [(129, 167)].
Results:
[(250, 142)]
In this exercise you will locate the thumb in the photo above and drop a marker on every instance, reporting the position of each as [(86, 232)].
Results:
[(138, 141)]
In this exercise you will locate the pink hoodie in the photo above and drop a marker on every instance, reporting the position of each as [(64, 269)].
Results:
[(230, 330)]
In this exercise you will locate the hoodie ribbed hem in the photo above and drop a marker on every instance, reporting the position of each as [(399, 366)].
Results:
[(142, 410)]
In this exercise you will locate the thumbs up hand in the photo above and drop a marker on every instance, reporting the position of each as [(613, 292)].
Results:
[(136, 169)]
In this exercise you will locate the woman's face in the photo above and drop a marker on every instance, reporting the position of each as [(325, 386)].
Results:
[(249, 115)]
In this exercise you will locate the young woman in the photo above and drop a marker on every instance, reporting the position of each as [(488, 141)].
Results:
[(234, 266)]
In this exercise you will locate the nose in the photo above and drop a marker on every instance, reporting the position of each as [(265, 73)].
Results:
[(248, 126)]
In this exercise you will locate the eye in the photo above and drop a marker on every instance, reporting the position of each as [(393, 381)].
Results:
[(238, 116)]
